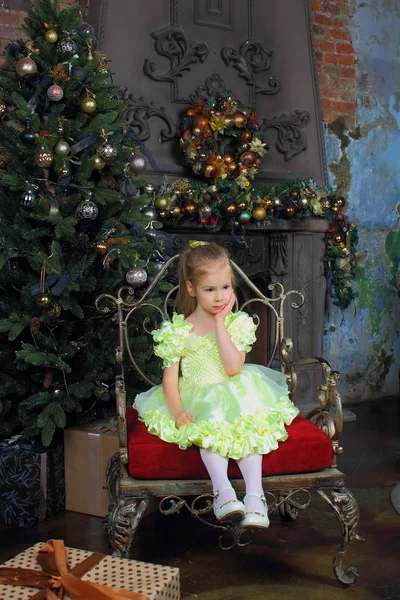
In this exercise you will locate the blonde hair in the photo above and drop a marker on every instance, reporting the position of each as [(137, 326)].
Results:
[(194, 262)]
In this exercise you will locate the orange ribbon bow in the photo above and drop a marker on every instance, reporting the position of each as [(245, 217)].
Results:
[(56, 578)]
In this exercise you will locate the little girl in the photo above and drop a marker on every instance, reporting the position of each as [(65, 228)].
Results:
[(227, 408)]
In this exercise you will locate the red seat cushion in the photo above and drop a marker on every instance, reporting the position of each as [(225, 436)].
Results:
[(307, 449)]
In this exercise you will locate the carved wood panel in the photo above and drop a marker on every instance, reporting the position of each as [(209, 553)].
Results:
[(179, 51)]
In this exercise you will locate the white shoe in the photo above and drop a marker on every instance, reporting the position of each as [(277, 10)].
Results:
[(255, 519), (232, 510)]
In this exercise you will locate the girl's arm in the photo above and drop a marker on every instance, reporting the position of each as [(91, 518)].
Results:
[(232, 358), (172, 396)]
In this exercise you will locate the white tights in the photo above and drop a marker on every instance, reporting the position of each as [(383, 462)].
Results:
[(250, 467)]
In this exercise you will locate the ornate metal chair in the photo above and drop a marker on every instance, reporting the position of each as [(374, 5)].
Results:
[(303, 467)]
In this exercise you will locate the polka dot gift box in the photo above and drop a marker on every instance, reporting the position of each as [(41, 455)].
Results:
[(143, 581)]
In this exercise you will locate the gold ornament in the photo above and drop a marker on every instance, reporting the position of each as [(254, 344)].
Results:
[(25, 66), (231, 210), (231, 168), (241, 204), (337, 240), (290, 212), (88, 104), (325, 204), (239, 119), (340, 202), (228, 121), (98, 162), (43, 158), (190, 208), (248, 158), (161, 202), (43, 300), (51, 36), (211, 171), (246, 136), (305, 201), (259, 213), (101, 247), (201, 122), (176, 211)]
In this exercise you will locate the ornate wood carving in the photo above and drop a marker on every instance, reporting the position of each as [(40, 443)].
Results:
[(213, 86), (217, 13), (251, 58), (138, 113), (278, 264), (172, 43), (291, 139)]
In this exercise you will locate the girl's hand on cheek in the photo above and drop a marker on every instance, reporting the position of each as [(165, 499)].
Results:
[(227, 308)]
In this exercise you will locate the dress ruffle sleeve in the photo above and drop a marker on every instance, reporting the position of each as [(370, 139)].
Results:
[(241, 329), (170, 339)]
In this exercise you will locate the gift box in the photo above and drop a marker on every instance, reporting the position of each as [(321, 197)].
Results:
[(144, 581), (32, 485), (87, 449)]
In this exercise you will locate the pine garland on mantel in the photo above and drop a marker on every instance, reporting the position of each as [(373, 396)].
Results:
[(221, 204)]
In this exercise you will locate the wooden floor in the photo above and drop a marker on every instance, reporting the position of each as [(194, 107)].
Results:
[(290, 560)]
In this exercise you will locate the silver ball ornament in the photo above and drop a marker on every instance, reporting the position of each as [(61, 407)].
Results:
[(149, 212), (86, 29), (55, 93), (107, 152), (136, 277), (67, 46), (137, 163), (62, 148), (3, 108), (27, 198), (87, 210), (63, 169)]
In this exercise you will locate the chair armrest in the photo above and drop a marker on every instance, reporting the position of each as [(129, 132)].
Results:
[(328, 394)]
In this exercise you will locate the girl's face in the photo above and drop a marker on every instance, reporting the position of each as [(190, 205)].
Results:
[(214, 288)]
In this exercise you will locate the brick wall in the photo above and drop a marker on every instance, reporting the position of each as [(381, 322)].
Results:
[(336, 61)]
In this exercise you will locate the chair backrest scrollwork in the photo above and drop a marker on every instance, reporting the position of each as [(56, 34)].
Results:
[(130, 301)]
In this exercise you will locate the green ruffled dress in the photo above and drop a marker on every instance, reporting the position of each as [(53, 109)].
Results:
[(233, 415)]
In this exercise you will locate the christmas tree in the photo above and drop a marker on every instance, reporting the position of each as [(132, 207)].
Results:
[(71, 225)]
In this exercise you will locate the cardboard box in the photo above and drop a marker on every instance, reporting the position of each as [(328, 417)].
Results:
[(32, 485), (155, 581), (88, 449)]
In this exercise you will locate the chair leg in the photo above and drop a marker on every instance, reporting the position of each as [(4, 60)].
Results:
[(344, 504), (124, 514), (122, 522)]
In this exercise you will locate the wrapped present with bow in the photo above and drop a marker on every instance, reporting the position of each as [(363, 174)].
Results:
[(88, 448), (51, 571), (32, 486)]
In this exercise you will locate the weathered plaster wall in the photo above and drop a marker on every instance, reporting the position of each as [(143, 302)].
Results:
[(363, 343)]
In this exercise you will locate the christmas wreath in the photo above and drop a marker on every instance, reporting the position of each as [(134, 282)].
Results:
[(221, 139)]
